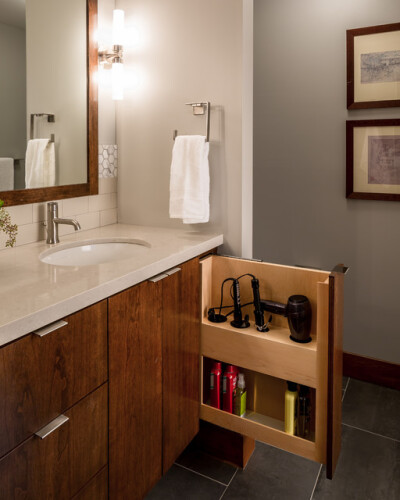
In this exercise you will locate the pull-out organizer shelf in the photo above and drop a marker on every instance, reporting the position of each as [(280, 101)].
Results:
[(270, 359)]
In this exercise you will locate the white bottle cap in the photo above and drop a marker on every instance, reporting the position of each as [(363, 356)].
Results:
[(241, 383)]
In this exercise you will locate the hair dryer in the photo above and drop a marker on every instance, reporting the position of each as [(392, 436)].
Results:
[(298, 312)]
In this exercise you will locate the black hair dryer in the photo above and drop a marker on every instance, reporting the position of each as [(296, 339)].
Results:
[(298, 312)]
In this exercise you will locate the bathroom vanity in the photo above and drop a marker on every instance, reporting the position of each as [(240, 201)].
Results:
[(101, 401), (103, 367)]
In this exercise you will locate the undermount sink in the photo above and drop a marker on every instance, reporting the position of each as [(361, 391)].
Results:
[(91, 252)]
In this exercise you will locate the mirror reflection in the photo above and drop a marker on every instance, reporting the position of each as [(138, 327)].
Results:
[(43, 93)]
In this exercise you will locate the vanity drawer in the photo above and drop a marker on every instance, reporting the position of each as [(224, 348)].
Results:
[(42, 376), (62, 463)]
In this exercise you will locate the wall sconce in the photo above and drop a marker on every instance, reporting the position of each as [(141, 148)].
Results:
[(113, 58)]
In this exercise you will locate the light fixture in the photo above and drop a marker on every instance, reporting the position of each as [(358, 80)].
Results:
[(113, 58)]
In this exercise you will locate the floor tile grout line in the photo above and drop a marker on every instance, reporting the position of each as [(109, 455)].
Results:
[(227, 486), (345, 389), (316, 481), (202, 475), (370, 432)]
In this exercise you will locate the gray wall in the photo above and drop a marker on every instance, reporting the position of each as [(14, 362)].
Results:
[(301, 214), (191, 51)]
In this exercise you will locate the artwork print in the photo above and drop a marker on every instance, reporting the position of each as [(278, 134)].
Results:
[(373, 159), (380, 67), (384, 160), (373, 67)]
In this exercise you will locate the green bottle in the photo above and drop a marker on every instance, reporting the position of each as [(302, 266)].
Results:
[(240, 397)]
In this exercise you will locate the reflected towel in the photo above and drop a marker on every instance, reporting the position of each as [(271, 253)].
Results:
[(40, 164), (190, 180), (6, 174)]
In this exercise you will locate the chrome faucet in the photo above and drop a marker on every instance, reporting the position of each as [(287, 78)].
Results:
[(53, 221)]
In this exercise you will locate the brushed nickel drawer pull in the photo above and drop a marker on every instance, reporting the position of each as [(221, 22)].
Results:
[(158, 277), (52, 426), (50, 328), (173, 271)]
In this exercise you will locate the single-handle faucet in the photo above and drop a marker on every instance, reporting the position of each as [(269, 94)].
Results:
[(53, 220)]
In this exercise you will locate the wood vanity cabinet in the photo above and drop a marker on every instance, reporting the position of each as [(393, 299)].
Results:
[(60, 370), (154, 378)]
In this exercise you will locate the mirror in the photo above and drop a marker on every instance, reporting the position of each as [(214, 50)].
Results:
[(48, 100)]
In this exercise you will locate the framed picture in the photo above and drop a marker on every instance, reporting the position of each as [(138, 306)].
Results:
[(373, 67), (373, 159)]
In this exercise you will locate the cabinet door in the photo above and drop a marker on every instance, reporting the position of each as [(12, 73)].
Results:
[(59, 465), (135, 378), (41, 377), (181, 348)]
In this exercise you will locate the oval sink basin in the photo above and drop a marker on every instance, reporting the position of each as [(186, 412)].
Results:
[(92, 252)]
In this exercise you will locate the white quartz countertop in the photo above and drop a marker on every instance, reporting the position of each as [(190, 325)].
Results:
[(34, 294)]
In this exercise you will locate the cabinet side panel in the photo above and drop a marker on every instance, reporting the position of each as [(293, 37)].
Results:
[(181, 348), (321, 410), (135, 364), (335, 371)]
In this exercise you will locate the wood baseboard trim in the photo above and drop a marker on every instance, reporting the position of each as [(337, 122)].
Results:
[(371, 370)]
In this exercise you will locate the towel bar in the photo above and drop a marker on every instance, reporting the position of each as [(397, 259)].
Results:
[(50, 119), (199, 108)]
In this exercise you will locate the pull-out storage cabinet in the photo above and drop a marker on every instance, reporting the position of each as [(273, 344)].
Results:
[(270, 359)]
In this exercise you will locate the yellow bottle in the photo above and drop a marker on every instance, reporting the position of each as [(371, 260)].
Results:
[(291, 396)]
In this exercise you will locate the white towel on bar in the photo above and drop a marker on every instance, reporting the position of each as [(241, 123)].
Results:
[(40, 164), (190, 180), (6, 174)]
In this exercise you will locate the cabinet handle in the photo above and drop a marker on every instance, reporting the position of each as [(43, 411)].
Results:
[(158, 277), (52, 426), (50, 328), (173, 271), (165, 274)]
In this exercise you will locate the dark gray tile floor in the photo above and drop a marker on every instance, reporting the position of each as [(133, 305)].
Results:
[(368, 467)]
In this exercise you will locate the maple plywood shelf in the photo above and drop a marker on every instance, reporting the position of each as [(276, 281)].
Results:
[(264, 418), (261, 428), (261, 351), (269, 359)]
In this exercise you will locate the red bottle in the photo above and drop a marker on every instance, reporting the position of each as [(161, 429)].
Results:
[(215, 385), (228, 387)]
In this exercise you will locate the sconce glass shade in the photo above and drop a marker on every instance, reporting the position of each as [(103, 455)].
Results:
[(117, 81), (118, 27)]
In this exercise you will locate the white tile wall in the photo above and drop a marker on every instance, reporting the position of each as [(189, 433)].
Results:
[(89, 211)]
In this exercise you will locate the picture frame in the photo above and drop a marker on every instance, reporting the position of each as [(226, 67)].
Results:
[(373, 67), (373, 159)]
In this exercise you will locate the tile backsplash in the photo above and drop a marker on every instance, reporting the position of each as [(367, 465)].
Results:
[(108, 161), (89, 211)]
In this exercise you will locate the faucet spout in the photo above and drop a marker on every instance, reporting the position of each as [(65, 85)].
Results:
[(71, 222), (53, 221)]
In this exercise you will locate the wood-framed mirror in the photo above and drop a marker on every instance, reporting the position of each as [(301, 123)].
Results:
[(88, 86)]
